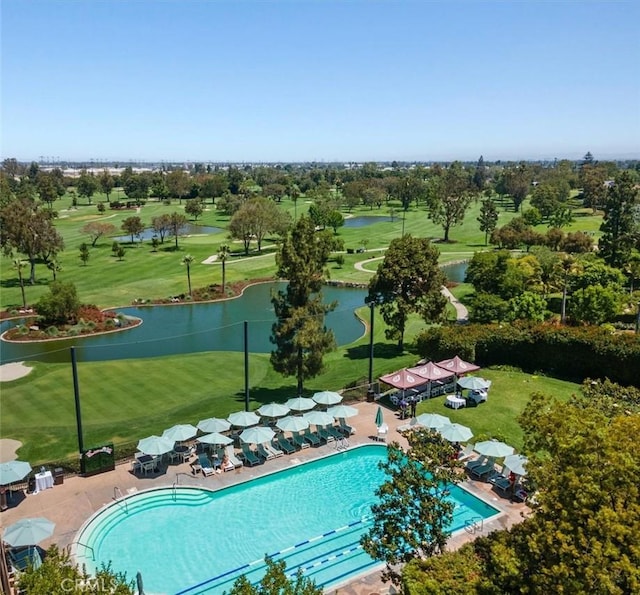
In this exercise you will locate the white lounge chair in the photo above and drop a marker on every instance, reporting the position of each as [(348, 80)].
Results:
[(231, 455), (383, 430), (270, 448)]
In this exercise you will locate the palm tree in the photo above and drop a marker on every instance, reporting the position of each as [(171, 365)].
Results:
[(18, 265), (55, 267), (567, 265), (223, 255), (187, 259)]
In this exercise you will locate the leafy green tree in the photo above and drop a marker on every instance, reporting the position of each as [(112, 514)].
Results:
[(60, 305), (86, 186), (55, 267), (595, 304), (58, 575), (488, 218), (47, 188), (194, 207), (276, 582), (106, 183), (335, 220), (136, 186), (177, 221), (161, 225), (486, 271), (408, 280), (224, 253), (487, 307), (84, 253), (412, 517), (480, 175), (449, 197), (594, 190), (178, 183), (96, 229), (133, 226), (155, 242), (528, 306), (517, 182), (577, 243), (619, 227), (19, 265), (120, 252), (187, 260), (299, 334)]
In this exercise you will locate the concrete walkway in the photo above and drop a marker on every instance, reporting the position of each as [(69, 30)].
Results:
[(70, 504), (462, 314)]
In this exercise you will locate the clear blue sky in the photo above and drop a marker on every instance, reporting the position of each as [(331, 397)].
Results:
[(322, 80)]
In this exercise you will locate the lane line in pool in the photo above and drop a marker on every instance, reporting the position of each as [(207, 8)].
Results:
[(364, 519)]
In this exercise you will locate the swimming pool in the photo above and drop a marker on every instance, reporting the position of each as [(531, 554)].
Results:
[(191, 540)]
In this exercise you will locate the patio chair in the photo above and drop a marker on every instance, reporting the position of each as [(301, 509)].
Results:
[(231, 455), (273, 449), (311, 437), (481, 460), (345, 427), (335, 432), (481, 471), (466, 452), (325, 435), (264, 453), (249, 456), (383, 430), (284, 444), (205, 465), (299, 441), (501, 482)]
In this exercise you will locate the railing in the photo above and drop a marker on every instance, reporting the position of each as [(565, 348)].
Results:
[(342, 443), (88, 547), (474, 525), (116, 491)]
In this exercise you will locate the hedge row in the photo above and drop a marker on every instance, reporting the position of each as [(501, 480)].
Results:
[(573, 353)]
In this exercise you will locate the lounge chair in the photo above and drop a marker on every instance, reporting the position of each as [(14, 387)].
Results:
[(271, 448), (345, 427), (205, 465), (231, 455), (21, 558), (480, 471), (264, 453), (501, 482), (475, 463), (335, 432), (325, 435), (311, 437), (299, 441), (249, 456), (383, 430), (284, 444)]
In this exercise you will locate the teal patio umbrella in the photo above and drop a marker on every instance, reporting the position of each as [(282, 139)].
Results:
[(273, 410), (180, 432), (319, 418), (13, 471), (243, 419), (516, 463), (257, 435), (342, 411), (493, 448), (300, 404), (216, 439), (292, 423), (327, 397), (28, 531), (155, 445), (432, 420), (473, 383), (213, 424), (455, 433), (379, 417)]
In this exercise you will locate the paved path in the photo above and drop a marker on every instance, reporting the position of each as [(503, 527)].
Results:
[(462, 314)]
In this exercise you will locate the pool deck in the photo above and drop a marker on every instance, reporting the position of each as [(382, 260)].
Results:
[(70, 504)]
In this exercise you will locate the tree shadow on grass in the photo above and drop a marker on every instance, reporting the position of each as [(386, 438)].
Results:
[(264, 395), (380, 351)]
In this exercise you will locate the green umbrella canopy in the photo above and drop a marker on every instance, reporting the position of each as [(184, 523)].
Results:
[(273, 410), (180, 432), (155, 445), (243, 419), (455, 433), (257, 435), (213, 424), (327, 397), (292, 423), (379, 417), (343, 411), (432, 420), (13, 471), (28, 531)]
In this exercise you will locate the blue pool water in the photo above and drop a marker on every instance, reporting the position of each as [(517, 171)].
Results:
[(192, 540)]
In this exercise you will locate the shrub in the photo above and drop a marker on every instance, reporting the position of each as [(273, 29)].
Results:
[(52, 331)]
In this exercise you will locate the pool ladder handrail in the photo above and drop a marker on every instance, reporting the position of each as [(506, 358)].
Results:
[(176, 483), (116, 491), (84, 545), (474, 525)]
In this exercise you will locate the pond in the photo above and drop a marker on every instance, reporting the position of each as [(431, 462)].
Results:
[(455, 271), (186, 230), (192, 328), (364, 220)]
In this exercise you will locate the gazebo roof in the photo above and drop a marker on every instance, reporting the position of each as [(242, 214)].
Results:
[(457, 366), (403, 379), (431, 371)]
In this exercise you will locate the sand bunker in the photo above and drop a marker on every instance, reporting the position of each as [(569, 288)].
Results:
[(13, 371), (8, 449)]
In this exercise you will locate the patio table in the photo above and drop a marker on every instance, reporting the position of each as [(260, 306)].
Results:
[(455, 402), (44, 481)]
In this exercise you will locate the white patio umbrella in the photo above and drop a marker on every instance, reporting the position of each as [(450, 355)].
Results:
[(300, 404), (473, 383), (28, 531), (327, 397), (273, 410), (257, 435), (493, 448), (516, 463), (292, 423), (215, 438), (432, 420), (319, 418), (243, 419), (155, 445), (180, 432), (213, 424), (13, 471), (343, 411), (455, 433)]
